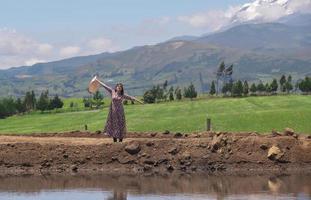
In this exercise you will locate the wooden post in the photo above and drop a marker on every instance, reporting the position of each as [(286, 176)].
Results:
[(85, 127), (208, 124)]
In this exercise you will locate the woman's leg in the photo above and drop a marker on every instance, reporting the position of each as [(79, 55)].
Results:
[(120, 139), (114, 139)]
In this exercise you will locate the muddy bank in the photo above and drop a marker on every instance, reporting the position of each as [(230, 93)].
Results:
[(155, 153)]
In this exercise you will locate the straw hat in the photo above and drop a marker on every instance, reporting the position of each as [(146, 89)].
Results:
[(93, 85)]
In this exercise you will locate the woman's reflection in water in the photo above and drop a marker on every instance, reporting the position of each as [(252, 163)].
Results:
[(118, 195)]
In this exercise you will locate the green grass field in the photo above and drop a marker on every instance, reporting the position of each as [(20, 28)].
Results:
[(261, 114)]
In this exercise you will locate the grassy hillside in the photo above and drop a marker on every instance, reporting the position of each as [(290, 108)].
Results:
[(266, 51), (260, 114)]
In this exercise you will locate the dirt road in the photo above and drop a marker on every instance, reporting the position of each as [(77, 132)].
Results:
[(210, 152)]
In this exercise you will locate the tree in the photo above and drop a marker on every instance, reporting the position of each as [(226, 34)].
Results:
[(253, 89), (237, 89), (274, 86), (7, 107), (268, 88), (171, 95), (149, 97), (178, 93), (261, 87), (227, 88), (190, 92), (43, 103), (33, 99), (98, 99), (20, 106), (56, 102), (245, 88), (305, 85), (28, 101), (288, 85), (220, 74), (282, 82), (213, 88), (86, 101)]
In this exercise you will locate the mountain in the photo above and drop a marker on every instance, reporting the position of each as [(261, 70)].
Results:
[(258, 51)]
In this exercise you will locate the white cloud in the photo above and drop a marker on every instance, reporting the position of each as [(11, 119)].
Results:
[(17, 49), (99, 45), (45, 49), (69, 51), (256, 11), (33, 61)]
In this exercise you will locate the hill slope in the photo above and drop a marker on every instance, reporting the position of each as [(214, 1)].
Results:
[(258, 51)]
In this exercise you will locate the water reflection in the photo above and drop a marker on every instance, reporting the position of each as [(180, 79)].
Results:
[(185, 186)]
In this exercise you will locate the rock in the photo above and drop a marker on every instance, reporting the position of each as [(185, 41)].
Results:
[(178, 134), (74, 168), (275, 153), (185, 156), (170, 168), (274, 133), (202, 145), (65, 156), (126, 160), (166, 132), (254, 134), (289, 132), (133, 148), (149, 144), (153, 134), (149, 162), (218, 142), (163, 160), (263, 146), (173, 151), (147, 167), (193, 168), (296, 135)]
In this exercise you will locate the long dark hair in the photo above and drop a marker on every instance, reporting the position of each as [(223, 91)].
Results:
[(121, 85)]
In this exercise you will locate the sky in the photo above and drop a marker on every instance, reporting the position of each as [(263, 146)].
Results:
[(33, 31)]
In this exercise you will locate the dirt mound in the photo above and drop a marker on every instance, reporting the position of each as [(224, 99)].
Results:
[(208, 152)]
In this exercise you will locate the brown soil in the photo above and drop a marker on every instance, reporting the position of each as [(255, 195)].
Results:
[(155, 153)]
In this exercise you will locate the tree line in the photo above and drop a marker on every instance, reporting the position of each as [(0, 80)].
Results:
[(161, 92), (240, 88), (10, 106)]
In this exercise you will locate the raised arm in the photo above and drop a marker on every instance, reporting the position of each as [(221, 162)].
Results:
[(109, 89), (131, 98)]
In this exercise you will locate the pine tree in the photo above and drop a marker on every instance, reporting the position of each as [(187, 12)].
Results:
[(190, 92), (253, 89), (245, 88), (213, 88), (237, 89), (149, 96), (171, 95), (282, 82), (98, 99), (261, 88), (288, 85), (268, 88), (20, 106), (56, 102), (28, 101), (274, 86), (43, 103), (178, 94)]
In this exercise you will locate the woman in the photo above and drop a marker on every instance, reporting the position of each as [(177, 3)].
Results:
[(116, 125)]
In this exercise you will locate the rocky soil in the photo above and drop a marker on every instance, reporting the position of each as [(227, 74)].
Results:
[(155, 153)]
